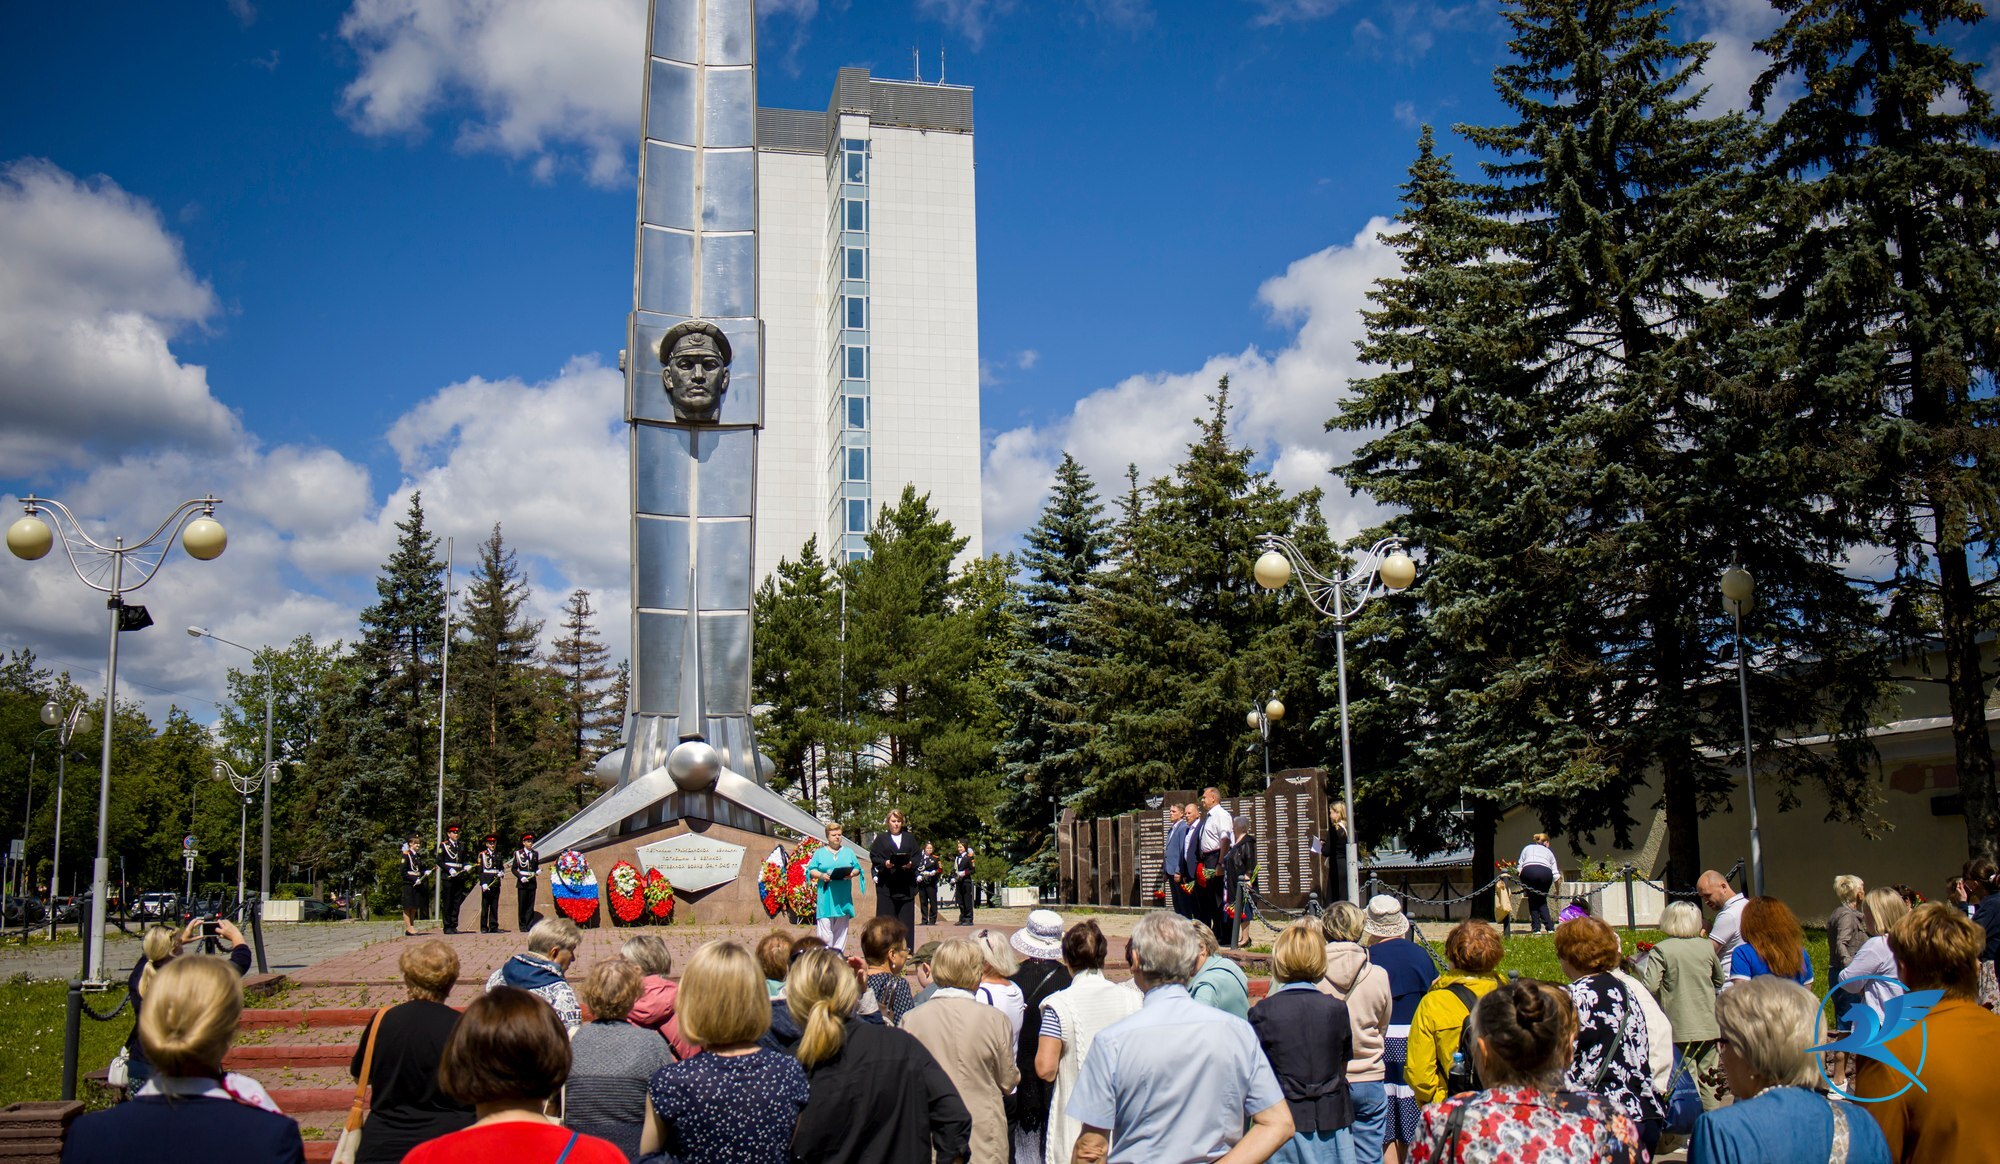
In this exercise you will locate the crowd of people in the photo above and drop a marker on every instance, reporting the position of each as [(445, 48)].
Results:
[(1017, 1048)]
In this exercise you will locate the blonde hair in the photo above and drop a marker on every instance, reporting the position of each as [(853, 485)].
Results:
[(1299, 953), (190, 1015), (1882, 907), (610, 989), (1769, 1022), (158, 945), (1682, 919), (1847, 887), (958, 963), (1341, 922), (821, 990), (1205, 938), (430, 970), (999, 955), (722, 1000), (648, 953)]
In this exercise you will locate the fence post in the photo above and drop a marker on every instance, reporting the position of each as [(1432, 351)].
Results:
[(72, 1033), (1631, 922)]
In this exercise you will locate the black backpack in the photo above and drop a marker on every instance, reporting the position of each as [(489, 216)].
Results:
[(1463, 1074)]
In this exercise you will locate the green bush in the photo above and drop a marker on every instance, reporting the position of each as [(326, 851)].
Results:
[(290, 891)]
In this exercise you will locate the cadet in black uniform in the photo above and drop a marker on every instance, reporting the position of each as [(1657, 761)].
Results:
[(413, 882), (451, 874), (491, 866), (928, 870), (524, 861), (962, 883)]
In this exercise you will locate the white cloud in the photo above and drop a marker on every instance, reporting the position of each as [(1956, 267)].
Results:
[(970, 18), (91, 291), (1291, 11), (1734, 27), (307, 531), (1281, 402), (552, 84), (1027, 358)]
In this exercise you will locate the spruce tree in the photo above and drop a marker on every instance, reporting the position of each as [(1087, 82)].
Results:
[(503, 713), (1883, 203), (797, 667), (1045, 705), (588, 717)]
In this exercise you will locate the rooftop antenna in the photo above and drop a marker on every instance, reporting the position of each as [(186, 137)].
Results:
[(917, 61), (940, 79)]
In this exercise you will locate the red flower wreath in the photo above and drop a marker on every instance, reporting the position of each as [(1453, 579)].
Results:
[(801, 899), (627, 892), (771, 882), (659, 896)]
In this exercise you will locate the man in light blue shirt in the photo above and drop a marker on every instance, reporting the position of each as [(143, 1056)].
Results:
[(1175, 1083)]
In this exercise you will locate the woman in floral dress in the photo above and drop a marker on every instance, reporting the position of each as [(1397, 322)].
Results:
[(1523, 1033), (1611, 1040)]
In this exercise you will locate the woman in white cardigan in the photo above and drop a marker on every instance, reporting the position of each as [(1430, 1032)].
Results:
[(1071, 1019)]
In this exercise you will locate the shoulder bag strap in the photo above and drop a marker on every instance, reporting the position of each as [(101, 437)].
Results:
[(1617, 1041), (567, 1147), (367, 1066)]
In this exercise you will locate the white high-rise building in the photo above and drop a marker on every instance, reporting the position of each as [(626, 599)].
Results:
[(869, 290)]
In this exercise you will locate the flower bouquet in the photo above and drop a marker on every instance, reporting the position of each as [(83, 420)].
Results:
[(801, 898), (771, 882), (627, 893), (574, 887), (659, 896)]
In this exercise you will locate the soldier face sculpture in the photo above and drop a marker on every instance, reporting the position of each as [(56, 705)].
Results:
[(694, 357)]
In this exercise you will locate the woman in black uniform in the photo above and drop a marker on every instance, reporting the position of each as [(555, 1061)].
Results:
[(413, 883)]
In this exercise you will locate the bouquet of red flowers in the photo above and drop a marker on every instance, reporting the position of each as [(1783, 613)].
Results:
[(1201, 874), (659, 896), (771, 882), (627, 892), (801, 897)]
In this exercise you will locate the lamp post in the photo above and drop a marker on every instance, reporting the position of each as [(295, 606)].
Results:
[(1260, 720), (1339, 597), (1739, 591), (264, 852), (31, 538), (246, 785), (66, 724)]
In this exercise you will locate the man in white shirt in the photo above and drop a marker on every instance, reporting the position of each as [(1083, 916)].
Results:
[(1218, 828), (1726, 931)]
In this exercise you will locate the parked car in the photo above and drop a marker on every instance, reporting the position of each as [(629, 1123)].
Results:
[(316, 910), (166, 906), (67, 906)]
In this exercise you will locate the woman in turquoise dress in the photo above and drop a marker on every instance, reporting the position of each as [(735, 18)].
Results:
[(838, 875)]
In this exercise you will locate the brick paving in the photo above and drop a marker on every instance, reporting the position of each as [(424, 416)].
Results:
[(288, 947)]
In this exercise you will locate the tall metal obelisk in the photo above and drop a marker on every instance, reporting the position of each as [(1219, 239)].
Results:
[(694, 401)]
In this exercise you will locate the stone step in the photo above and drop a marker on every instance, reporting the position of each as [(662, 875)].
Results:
[(252, 1059), (257, 1019)]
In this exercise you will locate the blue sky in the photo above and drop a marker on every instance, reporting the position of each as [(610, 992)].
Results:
[(315, 255)]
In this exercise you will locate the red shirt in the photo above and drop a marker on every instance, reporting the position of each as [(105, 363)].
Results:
[(516, 1141)]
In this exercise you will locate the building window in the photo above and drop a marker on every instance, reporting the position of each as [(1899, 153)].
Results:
[(857, 363), (857, 412), (857, 263), (855, 214), (857, 313), (857, 517), (857, 555), (854, 160), (857, 464)]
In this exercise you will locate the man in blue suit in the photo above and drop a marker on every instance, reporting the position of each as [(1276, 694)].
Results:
[(1174, 865)]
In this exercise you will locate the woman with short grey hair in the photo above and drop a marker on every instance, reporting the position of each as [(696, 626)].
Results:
[(1683, 972), (1165, 949), (1779, 1115), (542, 968)]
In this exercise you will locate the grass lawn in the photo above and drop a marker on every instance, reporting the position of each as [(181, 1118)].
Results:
[(31, 1029)]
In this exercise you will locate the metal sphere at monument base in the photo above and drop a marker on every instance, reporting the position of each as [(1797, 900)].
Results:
[(204, 539), (694, 765), (1398, 571), (30, 538), (1273, 570)]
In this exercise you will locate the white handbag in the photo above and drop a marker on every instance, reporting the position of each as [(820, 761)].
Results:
[(349, 1146), (118, 1076)]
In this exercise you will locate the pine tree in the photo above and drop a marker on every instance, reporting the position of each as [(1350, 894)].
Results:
[(1041, 696), (1883, 204), (590, 721), (505, 719)]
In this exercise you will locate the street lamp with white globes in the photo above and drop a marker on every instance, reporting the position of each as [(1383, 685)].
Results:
[(103, 568), (1738, 596), (1339, 597), (1260, 720), (270, 777), (68, 724)]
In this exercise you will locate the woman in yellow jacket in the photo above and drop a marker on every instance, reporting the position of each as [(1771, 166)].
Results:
[(1473, 949)]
